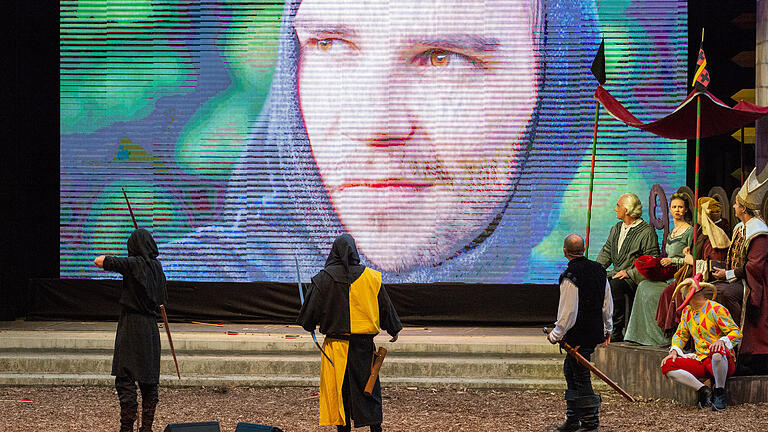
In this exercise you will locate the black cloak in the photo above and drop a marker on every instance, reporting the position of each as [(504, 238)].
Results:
[(137, 342)]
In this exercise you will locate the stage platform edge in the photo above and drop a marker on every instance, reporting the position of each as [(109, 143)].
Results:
[(259, 355), (637, 369)]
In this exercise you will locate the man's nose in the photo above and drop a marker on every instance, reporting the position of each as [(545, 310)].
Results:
[(377, 108)]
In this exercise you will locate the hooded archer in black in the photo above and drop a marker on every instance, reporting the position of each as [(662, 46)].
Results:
[(137, 342)]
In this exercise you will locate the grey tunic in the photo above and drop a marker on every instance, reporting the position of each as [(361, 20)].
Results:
[(675, 246), (641, 240)]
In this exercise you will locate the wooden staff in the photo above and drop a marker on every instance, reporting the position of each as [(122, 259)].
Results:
[(573, 352), (162, 308), (133, 218)]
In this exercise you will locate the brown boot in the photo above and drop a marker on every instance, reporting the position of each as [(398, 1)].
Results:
[(127, 416), (149, 398), (147, 414)]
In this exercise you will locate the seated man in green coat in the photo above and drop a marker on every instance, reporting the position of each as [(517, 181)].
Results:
[(628, 239)]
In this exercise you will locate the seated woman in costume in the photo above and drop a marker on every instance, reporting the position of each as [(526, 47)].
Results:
[(711, 245), (642, 326)]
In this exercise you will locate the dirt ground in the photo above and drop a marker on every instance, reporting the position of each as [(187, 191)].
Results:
[(54, 409)]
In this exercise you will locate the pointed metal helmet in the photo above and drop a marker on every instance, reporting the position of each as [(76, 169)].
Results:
[(751, 194)]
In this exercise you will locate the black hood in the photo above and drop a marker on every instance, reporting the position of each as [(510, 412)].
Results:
[(141, 244), (148, 271), (343, 263)]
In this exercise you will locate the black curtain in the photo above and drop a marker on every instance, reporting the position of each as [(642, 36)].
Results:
[(273, 302)]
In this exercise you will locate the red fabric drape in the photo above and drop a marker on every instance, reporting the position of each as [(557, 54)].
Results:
[(717, 117)]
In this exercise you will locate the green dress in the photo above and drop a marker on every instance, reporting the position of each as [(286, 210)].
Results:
[(642, 327)]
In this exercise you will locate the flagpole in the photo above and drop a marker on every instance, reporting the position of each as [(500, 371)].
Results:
[(696, 171), (592, 177), (696, 181), (598, 70)]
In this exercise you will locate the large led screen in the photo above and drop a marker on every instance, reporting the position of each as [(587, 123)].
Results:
[(451, 138)]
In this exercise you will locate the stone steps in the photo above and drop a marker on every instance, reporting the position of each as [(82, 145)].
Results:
[(203, 343), (58, 379), (289, 365), (216, 358)]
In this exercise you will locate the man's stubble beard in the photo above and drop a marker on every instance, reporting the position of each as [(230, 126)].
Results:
[(397, 245), (392, 238)]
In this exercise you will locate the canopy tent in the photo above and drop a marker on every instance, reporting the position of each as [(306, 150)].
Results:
[(681, 123), (685, 123)]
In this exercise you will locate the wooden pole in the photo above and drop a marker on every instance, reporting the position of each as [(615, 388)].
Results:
[(592, 178)]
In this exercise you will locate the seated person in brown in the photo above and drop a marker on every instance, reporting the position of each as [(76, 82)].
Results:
[(745, 284)]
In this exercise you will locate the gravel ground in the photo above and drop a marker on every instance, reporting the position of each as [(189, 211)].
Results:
[(55, 409)]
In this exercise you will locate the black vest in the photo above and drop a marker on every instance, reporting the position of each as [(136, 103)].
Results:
[(590, 279)]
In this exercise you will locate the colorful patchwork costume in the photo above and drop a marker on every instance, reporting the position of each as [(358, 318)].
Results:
[(705, 325)]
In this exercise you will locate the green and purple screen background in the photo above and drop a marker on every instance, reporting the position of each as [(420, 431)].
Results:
[(162, 98)]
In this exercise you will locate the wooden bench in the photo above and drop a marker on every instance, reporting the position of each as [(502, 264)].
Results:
[(637, 369)]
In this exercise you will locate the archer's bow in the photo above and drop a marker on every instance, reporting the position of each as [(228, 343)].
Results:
[(162, 307), (133, 218), (301, 296)]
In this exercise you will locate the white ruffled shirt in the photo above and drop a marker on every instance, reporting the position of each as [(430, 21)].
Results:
[(625, 230)]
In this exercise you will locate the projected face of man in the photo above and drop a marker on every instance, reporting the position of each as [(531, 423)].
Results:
[(416, 112)]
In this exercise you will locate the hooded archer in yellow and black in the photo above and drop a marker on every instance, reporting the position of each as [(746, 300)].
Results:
[(351, 306)]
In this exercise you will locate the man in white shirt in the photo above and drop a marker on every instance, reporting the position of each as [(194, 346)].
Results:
[(584, 319), (628, 239)]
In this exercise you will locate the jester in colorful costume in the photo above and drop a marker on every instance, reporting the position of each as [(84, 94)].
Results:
[(714, 335)]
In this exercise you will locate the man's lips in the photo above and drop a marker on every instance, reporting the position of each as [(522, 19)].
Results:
[(386, 183)]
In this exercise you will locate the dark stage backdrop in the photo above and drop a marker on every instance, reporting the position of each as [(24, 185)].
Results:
[(274, 302)]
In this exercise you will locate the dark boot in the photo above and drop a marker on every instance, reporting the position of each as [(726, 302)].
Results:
[(571, 418), (718, 399), (345, 428), (149, 397), (126, 394), (588, 408), (622, 294), (127, 416), (147, 414), (704, 396), (376, 428)]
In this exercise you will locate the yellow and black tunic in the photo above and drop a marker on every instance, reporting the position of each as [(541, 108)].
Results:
[(351, 306)]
